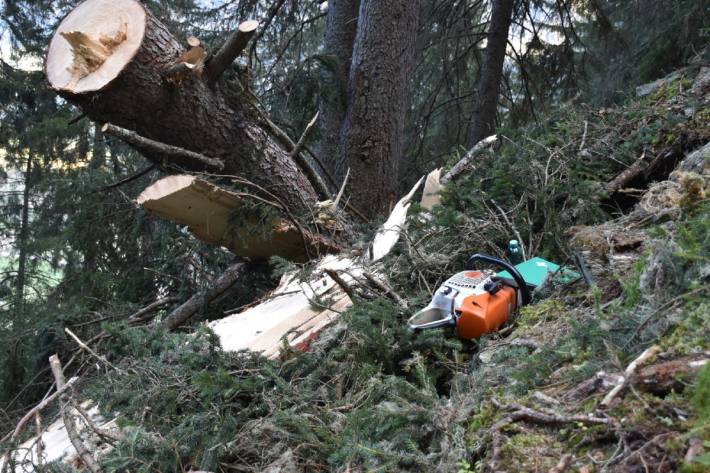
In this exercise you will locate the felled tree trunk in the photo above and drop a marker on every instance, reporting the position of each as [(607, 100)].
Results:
[(120, 65), (380, 73)]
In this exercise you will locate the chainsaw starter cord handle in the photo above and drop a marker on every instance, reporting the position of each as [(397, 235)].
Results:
[(524, 290)]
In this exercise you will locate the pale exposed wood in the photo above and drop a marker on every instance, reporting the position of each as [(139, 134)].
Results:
[(291, 313), (432, 190), (209, 210), (231, 49), (630, 370), (189, 63), (193, 41), (146, 144), (94, 43), (389, 233)]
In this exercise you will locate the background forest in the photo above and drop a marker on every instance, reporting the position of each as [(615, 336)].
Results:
[(77, 252)]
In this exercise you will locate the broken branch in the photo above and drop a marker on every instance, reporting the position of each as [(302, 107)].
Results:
[(306, 133), (230, 49), (624, 379), (383, 286), (142, 315), (87, 349), (340, 282), (152, 146), (194, 303), (73, 434), (459, 167), (35, 410)]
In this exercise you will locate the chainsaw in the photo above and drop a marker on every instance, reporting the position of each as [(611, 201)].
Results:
[(475, 301)]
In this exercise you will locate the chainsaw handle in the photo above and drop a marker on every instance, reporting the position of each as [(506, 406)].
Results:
[(524, 290)]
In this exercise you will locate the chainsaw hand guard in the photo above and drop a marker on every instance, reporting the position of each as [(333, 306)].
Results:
[(522, 286)]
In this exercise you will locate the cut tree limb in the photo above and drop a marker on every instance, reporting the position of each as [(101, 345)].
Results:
[(230, 49), (190, 307), (209, 211), (152, 146), (132, 90)]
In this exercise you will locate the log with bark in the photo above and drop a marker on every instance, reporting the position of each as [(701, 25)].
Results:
[(117, 62)]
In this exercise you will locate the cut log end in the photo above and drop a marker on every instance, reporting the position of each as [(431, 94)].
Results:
[(248, 26), (94, 43)]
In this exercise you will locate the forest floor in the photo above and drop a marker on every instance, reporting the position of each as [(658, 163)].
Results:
[(625, 187)]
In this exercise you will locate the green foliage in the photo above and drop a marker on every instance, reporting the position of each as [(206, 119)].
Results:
[(360, 400), (701, 398)]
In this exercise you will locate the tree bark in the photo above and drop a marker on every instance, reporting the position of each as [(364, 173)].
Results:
[(216, 120), (483, 119), (340, 30), (190, 307), (382, 65)]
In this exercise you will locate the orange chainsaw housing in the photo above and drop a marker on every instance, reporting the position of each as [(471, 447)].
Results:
[(484, 313)]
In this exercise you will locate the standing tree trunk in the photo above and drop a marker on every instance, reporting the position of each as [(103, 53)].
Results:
[(340, 30), (382, 65), (121, 65), (22, 241), (483, 119)]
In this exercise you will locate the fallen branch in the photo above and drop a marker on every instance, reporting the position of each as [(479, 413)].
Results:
[(464, 162), (340, 282), (383, 286), (142, 315), (234, 45), (190, 307), (304, 136), (35, 410), (102, 433), (88, 349), (514, 230), (152, 146), (626, 176), (663, 308), (84, 453), (520, 412), (624, 379), (566, 459)]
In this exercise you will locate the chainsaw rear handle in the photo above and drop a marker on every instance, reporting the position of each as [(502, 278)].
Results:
[(524, 290)]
